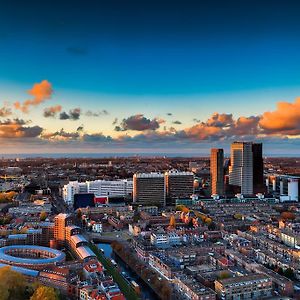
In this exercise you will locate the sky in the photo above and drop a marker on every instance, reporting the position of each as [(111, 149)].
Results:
[(149, 76)]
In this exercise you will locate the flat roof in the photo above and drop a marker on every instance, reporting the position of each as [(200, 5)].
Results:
[(18, 236), (58, 255)]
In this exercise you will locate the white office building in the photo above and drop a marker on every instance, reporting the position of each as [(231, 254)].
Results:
[(241, 167), (100, 188)]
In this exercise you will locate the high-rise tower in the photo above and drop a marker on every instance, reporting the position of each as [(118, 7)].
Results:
[(241, 167), (217, 171)]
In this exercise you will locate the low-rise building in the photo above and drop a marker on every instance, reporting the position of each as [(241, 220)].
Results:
[(253, 286)]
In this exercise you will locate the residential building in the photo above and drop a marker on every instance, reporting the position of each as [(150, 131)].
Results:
[(61, 221), (253, 286)]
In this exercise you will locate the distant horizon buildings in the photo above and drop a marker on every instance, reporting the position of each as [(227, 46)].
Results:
[(217, 171)]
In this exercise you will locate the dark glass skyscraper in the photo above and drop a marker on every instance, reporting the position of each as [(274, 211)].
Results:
[(258, 168)]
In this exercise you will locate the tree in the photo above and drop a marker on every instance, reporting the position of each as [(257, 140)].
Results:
[(224, 275), (43, 216), (208, 221), (289, 273), (212, 226), (287, 215), (12, 284), (238, 216), (44, 293), (7, 197)]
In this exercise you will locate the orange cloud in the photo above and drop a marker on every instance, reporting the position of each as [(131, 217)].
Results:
[(40, 91), (284, 120), (15, 129), (220, 120), (203, 131)]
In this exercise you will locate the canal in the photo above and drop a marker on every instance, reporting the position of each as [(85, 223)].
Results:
[(146, 292)]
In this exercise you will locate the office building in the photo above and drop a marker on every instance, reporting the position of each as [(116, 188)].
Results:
[(258, 168), (286, 187), (100, 188), (179, 185), (149, 189), (217, 171), (241, 167)]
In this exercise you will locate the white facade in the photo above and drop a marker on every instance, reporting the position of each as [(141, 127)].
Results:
[(293, 191), (98, 187), (159, 239), (241, 168), (97, 227), (165, 239)]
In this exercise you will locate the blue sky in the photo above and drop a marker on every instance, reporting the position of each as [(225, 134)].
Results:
[(188, 58)]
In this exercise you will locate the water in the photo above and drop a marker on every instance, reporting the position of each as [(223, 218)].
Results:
[(146, 292)]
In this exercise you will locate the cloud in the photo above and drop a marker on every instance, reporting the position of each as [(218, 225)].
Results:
[(61, 135), (220, 120), (103, 112), (223, 127), (139, 123), (5, 111), (74, 114), (169, 114), (16, 129), (40, 91), (203, 131), (196, 120), (115, 121), (246, 126), (177, 122), (52, 111), (284, 120)]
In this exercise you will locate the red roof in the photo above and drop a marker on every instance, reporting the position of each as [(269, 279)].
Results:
[(101, 200)]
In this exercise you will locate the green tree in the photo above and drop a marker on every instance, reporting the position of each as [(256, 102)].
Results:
[(289, 273), (44, 293), (224, 275)]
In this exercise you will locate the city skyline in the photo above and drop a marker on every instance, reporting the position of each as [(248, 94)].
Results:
[(149, 78)]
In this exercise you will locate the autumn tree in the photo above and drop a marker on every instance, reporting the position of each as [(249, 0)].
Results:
[(287, 215), (44, 293), (12, 284), (43, 216)]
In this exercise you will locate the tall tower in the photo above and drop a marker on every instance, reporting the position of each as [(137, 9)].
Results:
[(258, 168), (149, 189), (217, 171), (241, 167)]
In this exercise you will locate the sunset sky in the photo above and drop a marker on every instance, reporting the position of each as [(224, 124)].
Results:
[(146, 76)]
